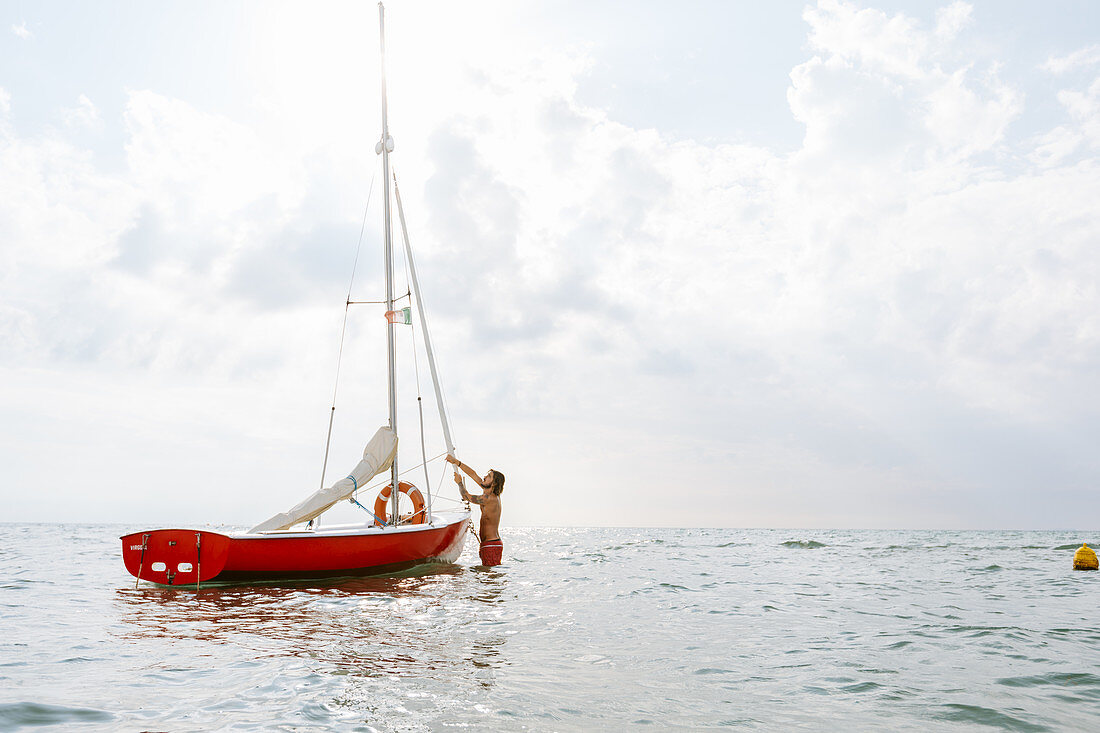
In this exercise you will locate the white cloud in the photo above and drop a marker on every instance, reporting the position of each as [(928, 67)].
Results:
[(220, 165), (889, 323), (879, 269), (888, 44), (22, 31), (952, 19), (56, 209), (83, 115), (1081, 58), (1080, 135), (879, 88), (967, 119), (1084, 109)]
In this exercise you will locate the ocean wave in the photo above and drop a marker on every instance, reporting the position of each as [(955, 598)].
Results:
[(803, 544), (888, 636), (978, 715), (17, 715), (1090, 682), (867, 686)]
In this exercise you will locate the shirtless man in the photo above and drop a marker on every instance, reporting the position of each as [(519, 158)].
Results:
[(492, 486)]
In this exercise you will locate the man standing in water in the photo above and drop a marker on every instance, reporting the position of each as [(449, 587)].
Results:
[(489, 501)]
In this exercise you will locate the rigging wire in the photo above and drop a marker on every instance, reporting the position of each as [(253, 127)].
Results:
[(386, 481), (465, 504), (416, 364), (343, 330), (380, 302)]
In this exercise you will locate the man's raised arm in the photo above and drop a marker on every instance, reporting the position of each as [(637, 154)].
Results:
[(465, 469), (466, 495)]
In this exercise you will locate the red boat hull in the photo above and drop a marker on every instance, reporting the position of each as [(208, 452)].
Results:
[(187, 556)]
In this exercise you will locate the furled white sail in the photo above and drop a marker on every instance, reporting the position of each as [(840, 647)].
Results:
[(377, 457)]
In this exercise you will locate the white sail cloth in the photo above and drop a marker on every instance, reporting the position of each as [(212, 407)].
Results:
[(377, 457)]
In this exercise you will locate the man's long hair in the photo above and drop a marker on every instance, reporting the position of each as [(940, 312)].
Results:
[(498, 482)]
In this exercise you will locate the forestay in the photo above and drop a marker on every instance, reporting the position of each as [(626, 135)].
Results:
[(377, 457)]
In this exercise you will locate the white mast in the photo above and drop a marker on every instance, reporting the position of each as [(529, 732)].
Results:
[(384, 148)]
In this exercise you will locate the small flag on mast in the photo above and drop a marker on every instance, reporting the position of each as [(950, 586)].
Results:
[(403, 316)]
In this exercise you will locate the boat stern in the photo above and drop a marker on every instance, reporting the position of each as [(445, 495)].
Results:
[(175, 556)]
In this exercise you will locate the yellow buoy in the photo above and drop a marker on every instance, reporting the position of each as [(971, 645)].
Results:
[(1084, 558)]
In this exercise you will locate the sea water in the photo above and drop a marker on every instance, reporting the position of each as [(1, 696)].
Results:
[(580, 629)]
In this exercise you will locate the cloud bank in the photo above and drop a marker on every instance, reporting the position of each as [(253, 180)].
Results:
[(894, 324)]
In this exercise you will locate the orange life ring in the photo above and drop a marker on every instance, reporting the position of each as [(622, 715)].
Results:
[(417, 517)]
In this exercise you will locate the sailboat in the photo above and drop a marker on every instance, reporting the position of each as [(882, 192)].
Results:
[(293, 544)]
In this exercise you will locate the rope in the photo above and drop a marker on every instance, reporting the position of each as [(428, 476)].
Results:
[(407, 470), (406, 519), (386, 481), (423, 450), (343, 330), (465, 504), (141, 563), (355, 501)]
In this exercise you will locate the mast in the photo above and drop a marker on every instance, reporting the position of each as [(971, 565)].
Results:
[(384, 148)]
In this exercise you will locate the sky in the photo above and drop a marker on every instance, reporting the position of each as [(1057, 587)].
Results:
[(732, 264)]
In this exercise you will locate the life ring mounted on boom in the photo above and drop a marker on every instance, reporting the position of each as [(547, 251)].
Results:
[(382, 502)]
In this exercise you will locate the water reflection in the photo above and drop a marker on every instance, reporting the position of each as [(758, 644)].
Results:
[(441, 622)]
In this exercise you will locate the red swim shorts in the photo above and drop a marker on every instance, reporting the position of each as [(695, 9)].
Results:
[(491, 551)]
